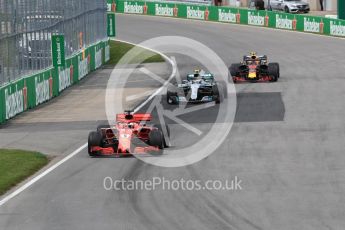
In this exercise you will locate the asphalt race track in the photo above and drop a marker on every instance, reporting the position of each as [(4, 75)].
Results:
[(286, 145)]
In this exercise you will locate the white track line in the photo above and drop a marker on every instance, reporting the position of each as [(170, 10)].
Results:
[(172, 62), (35, 179), (69, 156), (140, 95)]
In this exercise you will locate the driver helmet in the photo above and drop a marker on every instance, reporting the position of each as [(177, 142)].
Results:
[(196, 73), (131, 125), (253, 55)]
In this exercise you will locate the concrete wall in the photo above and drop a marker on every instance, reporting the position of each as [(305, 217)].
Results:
[(329, 5)]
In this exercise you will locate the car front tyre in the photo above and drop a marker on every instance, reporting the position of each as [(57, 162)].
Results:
[(95, 139), (172, 98)]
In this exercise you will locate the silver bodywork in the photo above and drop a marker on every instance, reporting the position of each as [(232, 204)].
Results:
[(289, 6), (193, 86)]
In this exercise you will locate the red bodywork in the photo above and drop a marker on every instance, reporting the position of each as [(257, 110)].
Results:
[(127, 127)]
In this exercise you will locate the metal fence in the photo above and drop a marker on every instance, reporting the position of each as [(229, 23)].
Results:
[(26, 27)]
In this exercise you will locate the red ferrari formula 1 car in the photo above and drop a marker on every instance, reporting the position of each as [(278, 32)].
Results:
[(254, 68), (130, 135)]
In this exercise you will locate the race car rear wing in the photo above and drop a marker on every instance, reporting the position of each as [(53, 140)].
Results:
[(138, 117), (205, 76), (261, 58)]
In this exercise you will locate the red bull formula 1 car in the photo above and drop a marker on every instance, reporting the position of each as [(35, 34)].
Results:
[(130, 135), (254, 68)]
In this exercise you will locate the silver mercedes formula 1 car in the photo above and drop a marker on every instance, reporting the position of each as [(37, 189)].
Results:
[(198, 87)]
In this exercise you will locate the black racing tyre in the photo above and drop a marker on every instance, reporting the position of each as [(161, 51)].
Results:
[(159, 127), (216, 94), (95, 139), (278, 68), (156, 139), (235, 69), (286, 9), (273, 71), (172, 98)]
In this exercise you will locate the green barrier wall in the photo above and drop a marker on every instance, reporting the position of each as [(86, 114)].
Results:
[(2, 105), (302, 23), (341, 9), (31, 91)]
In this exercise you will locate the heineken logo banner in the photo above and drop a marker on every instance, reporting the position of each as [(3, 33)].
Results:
[(165, 10), (58, 50), (111, 25)]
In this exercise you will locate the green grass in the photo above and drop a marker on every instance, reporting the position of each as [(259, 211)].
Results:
[(17, 165), (118, 49)]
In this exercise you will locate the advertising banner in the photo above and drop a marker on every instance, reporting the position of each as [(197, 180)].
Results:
[(258, 18), (166, 9), (111, 25), (229, 15), (277, 20), (58, 50), (312, 24), (336, 27), (284, 21), (15, 98), (43, 88)]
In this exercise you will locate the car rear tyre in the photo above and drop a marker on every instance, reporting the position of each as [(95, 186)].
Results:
[(156, 139), (95, 139), (286, 9), (216, 94), (166, 140), (278, 69), (273, 71)]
